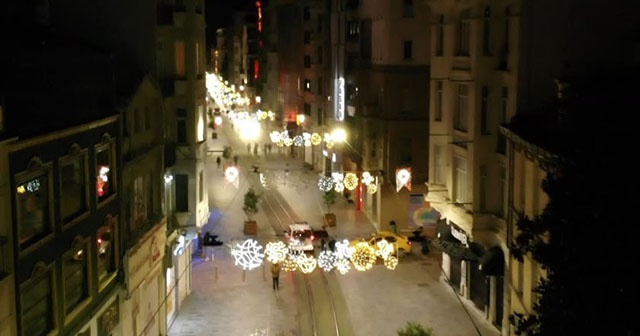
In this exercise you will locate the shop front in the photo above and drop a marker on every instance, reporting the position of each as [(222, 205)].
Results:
[(143, 310), (178, 274)]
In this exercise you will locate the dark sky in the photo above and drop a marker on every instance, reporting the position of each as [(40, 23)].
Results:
[(219, 14)]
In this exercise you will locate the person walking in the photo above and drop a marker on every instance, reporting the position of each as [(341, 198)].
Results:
[(218, 161), (235, 160), (275, 275)]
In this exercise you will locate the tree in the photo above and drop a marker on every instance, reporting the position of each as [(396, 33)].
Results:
[(250, 207), (227, 152), (329, 198), (415, 329), (581, 241)]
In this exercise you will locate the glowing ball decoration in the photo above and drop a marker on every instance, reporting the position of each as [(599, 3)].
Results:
[(231, 174), (343, 250), (276, 251), (289, 264), (306, 263), (367, 178), (372, 188), (288, 142), (364, 256), (343, 266), (391, 263), (339, 187), (327, 260), (316, 139), (350, 181), (248, 254), (298, 141), (325, 183)]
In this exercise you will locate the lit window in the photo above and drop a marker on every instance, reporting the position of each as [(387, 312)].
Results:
[(33, 209), (104, 174), (104, 247), (75, 276)]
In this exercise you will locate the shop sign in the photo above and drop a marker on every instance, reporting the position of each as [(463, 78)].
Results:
[(459, 235)]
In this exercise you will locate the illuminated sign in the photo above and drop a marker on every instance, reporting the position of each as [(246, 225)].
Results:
[(340, 99)]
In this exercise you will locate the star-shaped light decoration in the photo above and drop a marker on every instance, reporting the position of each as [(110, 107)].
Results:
[(364, 256), (289, 264), (343, 266), (276, 251), (384, 249), (306, 263), (298, 140), (327, 260), (248, 254), (391, 262)]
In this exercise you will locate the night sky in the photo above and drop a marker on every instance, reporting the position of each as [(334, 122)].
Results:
[(219, 14)]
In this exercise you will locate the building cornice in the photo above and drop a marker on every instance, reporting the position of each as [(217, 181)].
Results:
[(545, 159)]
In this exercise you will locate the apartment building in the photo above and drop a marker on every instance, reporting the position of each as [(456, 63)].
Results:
[(61, 249)]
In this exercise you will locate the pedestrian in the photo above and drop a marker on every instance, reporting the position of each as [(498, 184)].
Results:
[(218, 161), (249, 148), (332, 245), (235, 160), (275, 275), (394, 228), (322, 243), (206, 241)]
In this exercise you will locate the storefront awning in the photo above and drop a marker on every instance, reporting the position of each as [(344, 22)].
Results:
[(492, 262), (458, 250)]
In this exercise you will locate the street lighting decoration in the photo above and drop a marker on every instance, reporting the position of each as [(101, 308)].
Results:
[(289, 263), (364, 256), (248, 254), (298, 141), (403, 178), (339, 187), (391, 263), (276, 251), (325, 183), (350, 181), (327, 260), (306, 263), (316, 139)]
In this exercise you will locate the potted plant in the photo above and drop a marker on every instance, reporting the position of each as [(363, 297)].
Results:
[(250, 208), (415, 329), (330, 198)]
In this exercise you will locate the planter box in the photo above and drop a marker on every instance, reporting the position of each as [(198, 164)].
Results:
[(250, 227), (330, 219)]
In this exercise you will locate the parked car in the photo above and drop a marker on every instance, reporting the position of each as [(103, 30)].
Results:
[(300, 237), (399, 242)]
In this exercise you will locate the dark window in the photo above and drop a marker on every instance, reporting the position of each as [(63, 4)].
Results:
[(484, 111), (502, 140), (307, 61), (137, 120), (486, 32), (319, 28), (407, 9), (182, 192), (36, 302), (437, 115), (462, 104), (307, 109), (408, 49), (464, 33), (181, 126), (306, 14), (440, 37), (105, 251), (353, 29), (320, 52), (201, 186), (307, 37), (75, 277), (73, 191), (105, 186), (320, 86), (320, 116), (33, 208)]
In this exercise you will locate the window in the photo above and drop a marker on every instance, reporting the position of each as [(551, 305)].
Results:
[(460, 117), (460, 179), (504, 103), (307, 109), (307, 61), (464, 33), (405, 151), (105, 186), (502, 192), (180, 54), (439, 167), (137, 120), (147, 119), (486, 32), (73, 186), (408, 49), (319, 27), (307, 37), (307, 85), (36, 302), (139, 204), (182, 193), (440, 36), (33, 202), (407, 9), (437, 115), (75, 276), (306, 14), (181, 115), (105, 250), (320, 52), (484, 187), (353, 29), (320, 116), (407, 102), (201, 186), (484, 110), (319, 85)]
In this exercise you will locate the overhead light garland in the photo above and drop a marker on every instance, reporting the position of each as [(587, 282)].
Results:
[(276, 251), (248, 254), (364, 256)]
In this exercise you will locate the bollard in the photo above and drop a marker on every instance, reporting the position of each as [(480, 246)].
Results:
[(244, 275)]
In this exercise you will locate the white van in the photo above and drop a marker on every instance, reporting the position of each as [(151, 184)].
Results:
[(300, 237)]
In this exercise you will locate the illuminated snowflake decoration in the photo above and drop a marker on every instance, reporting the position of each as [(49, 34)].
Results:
[(343, 266), (280, 143), (284, 135), (289, 264), (339, 187), (276, 251), (384, 249), (298, 140), (288, 142), (372, 188), (316, 139), (327, 260), (350, 181), (367, 178), (364, 256), (248, 254), (306, 263), (329, 144), (325, 183), (343, 250), (391, 262)]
